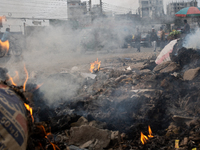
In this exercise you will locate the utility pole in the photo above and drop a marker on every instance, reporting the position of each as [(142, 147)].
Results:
[(90, 5), (101, 7)]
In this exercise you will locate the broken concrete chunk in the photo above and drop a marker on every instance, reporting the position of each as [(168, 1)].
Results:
[(81, 121), (115, 136), (100, 125), (87, 144), (177, 75), (191, 74), (81, 135), (170, 68), (161, 66), (167, 67)]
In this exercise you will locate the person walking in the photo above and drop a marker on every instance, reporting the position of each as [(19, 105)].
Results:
[(6, 35), (154, 39), (137, 40), (186, 29), (162, 38)]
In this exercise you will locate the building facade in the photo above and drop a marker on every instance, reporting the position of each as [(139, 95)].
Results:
[(151, 8), (174, 7), (76, 9)]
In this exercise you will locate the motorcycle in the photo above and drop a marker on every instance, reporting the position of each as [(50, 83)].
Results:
[(14, 48)]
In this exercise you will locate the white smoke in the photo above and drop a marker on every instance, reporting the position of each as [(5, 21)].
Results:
[(192, 40), (50, 50)]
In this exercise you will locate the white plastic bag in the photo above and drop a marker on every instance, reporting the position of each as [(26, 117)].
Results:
[(164, 54)]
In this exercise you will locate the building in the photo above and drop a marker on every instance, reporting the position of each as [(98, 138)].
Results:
[(76, 9), (151, 8), (174, 7)]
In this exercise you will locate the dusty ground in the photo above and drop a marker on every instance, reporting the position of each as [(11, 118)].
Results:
[(51, 64)]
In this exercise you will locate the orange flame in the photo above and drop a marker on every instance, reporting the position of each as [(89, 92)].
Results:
[(11, 79), (150, 132), (24, 87), (30, 110), (95, 66), (5, 45), (2, 17), (46, 136), (143, 138)]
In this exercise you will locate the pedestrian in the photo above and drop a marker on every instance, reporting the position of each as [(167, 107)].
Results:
[(6, 35), (162, 38), (154, 39), (137, 40), (186, 29)]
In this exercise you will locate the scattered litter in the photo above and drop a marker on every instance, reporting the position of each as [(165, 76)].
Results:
[(129, 68), (90, 75), (176, 143)]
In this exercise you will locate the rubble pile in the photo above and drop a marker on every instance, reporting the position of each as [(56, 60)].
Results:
[(125, 102), (115, 106), (165, 97)]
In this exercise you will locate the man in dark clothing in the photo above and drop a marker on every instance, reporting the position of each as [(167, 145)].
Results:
[(137, 40), (186, 29), (162, 38), (154, 39)]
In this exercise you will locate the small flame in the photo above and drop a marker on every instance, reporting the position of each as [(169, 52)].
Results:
[(46, 136), (150, 132), (24, 87), (14, 78), (2, 17), (5, 45), (11, 79), (95, 66), (30, 110), (143, 138)]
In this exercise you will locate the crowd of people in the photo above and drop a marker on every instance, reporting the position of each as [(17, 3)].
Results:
[(160, 37)]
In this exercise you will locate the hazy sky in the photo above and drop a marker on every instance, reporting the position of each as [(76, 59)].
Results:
[(57, 8)]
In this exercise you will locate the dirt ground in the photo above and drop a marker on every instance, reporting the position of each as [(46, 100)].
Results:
[(51, 64)]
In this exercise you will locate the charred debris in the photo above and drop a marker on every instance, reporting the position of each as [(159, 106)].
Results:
[(149, 107)]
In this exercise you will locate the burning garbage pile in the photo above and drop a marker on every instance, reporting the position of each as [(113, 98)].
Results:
[(154, 106), (163, 97)]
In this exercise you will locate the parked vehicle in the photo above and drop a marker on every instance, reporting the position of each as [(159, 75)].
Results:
[(145, 40), (127, 41)]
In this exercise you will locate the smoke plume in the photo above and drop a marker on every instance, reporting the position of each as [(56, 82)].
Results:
[(192, 40)]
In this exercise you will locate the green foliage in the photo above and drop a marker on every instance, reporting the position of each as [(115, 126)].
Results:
[(175, 32)]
